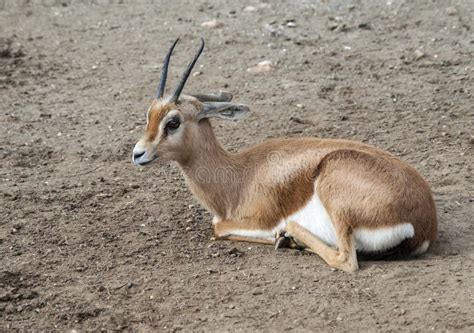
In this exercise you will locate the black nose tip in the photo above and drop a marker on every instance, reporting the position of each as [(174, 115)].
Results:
[(138, 155)]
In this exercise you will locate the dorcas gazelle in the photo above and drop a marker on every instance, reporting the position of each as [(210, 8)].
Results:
[(333, 197)]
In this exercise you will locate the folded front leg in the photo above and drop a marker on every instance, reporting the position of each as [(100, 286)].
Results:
[(229, 230)]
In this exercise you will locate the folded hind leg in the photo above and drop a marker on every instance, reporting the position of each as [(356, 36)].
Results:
[(343, 258)]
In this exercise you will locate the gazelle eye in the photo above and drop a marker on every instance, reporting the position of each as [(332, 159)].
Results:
[(172, 125)]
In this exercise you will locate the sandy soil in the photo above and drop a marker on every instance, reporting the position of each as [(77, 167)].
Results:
[(88, 241)]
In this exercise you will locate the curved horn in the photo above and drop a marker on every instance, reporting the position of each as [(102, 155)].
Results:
[(164, 71), (186, 74)]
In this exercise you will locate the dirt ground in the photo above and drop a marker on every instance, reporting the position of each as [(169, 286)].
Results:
[(89, 242)]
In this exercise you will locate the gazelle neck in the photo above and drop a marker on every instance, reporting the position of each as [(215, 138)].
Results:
[(215, 176)]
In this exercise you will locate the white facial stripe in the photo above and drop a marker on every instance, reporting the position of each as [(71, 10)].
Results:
[(148, 115)]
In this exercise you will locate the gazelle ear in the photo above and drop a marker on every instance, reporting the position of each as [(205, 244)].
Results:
[(222, 110)]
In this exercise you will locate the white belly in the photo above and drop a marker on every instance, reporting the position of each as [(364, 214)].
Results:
[(314, 217)]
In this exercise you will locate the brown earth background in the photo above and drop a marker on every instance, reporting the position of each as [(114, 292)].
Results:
[(89, 242)]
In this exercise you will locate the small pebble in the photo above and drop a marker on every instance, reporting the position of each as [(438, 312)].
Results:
[(451, 11), (418, 54), (261, 67), (250, 9), (213, 24), (234, 252)]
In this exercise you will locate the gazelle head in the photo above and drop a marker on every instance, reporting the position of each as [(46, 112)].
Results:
[(177, 126)]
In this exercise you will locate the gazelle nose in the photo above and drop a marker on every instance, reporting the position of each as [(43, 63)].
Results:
[(137, 155)]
